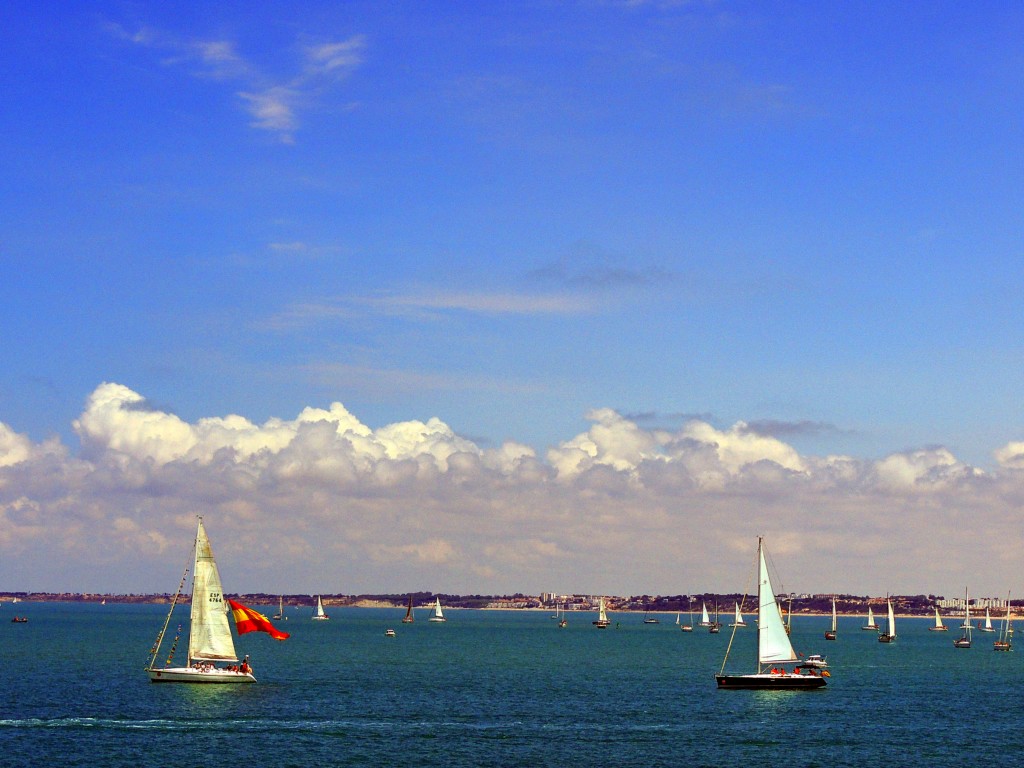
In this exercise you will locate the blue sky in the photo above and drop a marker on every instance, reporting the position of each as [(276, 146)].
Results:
[(790, 223)]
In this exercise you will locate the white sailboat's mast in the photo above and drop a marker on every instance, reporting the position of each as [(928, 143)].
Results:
[(761, 625)]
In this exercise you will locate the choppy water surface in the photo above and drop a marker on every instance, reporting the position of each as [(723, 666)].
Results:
[(493, 688)]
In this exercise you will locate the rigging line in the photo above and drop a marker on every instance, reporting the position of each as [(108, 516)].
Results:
[(174, 601)]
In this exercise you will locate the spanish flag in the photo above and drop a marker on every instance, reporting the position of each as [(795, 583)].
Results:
[(248, 620)]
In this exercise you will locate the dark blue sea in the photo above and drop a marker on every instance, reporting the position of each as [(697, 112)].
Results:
[(495, 688)]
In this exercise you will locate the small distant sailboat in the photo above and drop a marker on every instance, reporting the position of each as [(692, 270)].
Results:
[(280, 610), (408, 618), (648, 619), (938, 626), (562, 621), (738, 619), (774, 647), (705, 620), (602, 615), (1004, 643), (987, 626), (831, 634), (688, 627), (318, 614), (964, 641), (715, 626), (438, 614), (889, 636), (389, 633), (871, 626)]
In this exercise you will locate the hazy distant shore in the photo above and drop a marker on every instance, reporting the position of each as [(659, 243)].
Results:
[(452, 602)]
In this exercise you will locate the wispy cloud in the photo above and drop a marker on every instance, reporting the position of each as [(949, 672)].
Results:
[(335, 59), (780, 429), (432, 304), (272, 100), (273, 110), (377, 380)]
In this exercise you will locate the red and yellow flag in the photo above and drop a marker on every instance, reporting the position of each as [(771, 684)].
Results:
[(248, 620)]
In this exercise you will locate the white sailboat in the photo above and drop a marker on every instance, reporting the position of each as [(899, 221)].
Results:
[(602, 615), (688, 627), (280, 610), (1004, 642), (705, 620), (562, 621), (831, 634), (209, 639), (318, 613), (871, 625), (964, 641), (774, 648), (738, 619), (938, 626), (890, 634), (438, 614), (987, 626)]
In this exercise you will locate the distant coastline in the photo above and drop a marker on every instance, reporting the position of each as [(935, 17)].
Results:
[(907, 606)]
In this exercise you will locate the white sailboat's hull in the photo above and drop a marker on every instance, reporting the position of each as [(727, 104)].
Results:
[(201, 675)]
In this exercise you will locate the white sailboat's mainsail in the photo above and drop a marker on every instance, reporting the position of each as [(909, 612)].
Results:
[(938, 620), (892, 621), (319, 607), (871, 617), (833, 614), (210, 633), (602, 615), (988, 621), (773, 643), (438, 613), (704, 618)]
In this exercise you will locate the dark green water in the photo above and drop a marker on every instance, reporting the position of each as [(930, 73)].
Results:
[(494, 688)]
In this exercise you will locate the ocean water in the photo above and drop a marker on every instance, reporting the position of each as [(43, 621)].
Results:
[(495, 688)]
